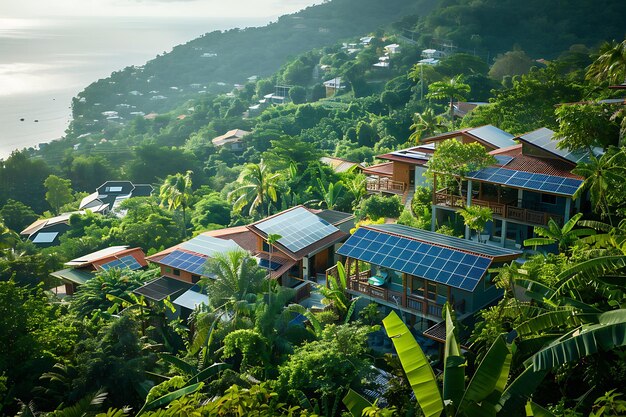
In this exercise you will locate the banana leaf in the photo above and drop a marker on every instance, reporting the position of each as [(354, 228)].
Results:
[(415, 365), (168, 398), (178, 362), (535, 410), (454, 365), (548, 320), (355, 403), (519, 391), (609, 334), (487, 385), (208, 372)]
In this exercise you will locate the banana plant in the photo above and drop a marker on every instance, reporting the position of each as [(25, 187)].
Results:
[(487, 392)]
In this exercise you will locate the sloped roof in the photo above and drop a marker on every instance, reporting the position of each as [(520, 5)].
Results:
[(77, 276), (489, 135), (231, 136), (94, 256), (37, 225), (544, 140), (338, 164)]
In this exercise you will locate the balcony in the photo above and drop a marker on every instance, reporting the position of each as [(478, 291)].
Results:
[(500, 210), (385, 185), (410, 302)]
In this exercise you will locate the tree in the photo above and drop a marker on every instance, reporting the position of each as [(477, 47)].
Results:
[(583, 127), (426, 123), (610, 65), (297, 94), (366, 134), (59, 192), (456, 159), (603, 176), (257, 186), (210, 210), (564, 237), (330, 194), (453, 89), (511, 63), (378, 206), (176, 192), (17, 215), (476, 217)]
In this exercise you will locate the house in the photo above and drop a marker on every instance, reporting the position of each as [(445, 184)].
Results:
[(341, 165), (110, 195), (393, 48), (462, 108), (333, 86), (531, 183), (383, 62), (82, 269), (417, 271), (305, 249), (433, 54), (489, 136), (182, 266), (233, 140), (46, 232), (366, 40)]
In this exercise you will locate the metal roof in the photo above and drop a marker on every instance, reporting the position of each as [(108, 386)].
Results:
[(543, 139), (77, 276), (102, 253), (192, 298), (494, 136)]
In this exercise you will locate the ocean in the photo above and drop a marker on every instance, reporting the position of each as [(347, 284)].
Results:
[(46, 62)]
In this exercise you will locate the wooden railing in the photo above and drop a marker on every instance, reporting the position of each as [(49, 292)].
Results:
[(499, 209), (385, 185)]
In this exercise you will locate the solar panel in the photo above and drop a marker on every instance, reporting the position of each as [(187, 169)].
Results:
[(298, 228), (503, 159), (161, 288), (265, 263), (209, 246), (491, 134), (127, 261), (528, 180), (542, 138), (186, 261), (420, 156), (443, 265), (45, 237)]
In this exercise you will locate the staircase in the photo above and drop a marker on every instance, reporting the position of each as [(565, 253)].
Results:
[(407, 197)]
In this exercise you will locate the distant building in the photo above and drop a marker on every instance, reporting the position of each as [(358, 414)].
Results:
[(46, 232), (393, 48), (110, 194), (340, 165), (333, 86), (433, 53), (233, 140), (82, 269)]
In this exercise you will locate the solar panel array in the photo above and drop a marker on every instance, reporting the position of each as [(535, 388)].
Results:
[(209, 246), (298, 228), (531, 181), (491, 134), (420, 156), (123, 262), (542, 138), (186, 261), (265, 263), (161, 288), (443, 265), (503, 159)]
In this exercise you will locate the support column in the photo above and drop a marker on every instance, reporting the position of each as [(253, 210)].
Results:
[(520, 197), (577, 206), (469, 193), (433, 218), (568, 209), (503, 234)]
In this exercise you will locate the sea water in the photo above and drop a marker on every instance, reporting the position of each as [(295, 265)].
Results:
[(46, 62)]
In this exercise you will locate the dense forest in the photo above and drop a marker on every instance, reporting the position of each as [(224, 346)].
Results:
[(553, 345)]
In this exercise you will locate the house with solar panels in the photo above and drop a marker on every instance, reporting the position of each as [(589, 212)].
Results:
[(406, 167), (80, 270), (418, 271), (182, 267), (46, 232), (530, 184), (110, 194)]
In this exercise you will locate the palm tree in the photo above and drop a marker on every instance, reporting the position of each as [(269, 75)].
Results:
[(331, 194), (476, 217), (176, 192), (610, 65), (601, 176), (453, 89), (564, 236), (257, 186), (426, 123)]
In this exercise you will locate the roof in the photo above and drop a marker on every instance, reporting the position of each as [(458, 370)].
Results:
[(544, 139), (37, 225), (77, 276), (334, 83), (417, 155), (488, 135), (94, 256), (518, 161), (192, 298), (444, 259), (551, 184), (340, 165), (385, 169), (163, 287), (112, 193), (302, 231), (231, 136)]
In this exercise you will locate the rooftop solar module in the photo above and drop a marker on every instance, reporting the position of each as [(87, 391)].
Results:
[(265, 263), (542, 138), (186, 261), (209, 246), (503, 159), (528, 180), (422, 259), (421, 156), (445, 240), (161, 288), (123, 262), (45, 237), (491, 134), (298, 228)]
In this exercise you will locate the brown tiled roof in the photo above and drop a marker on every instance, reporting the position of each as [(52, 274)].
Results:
[(384, 169), (535, 164)]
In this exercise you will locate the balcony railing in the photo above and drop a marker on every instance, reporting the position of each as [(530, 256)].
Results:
[(499, 210), (385, 185)]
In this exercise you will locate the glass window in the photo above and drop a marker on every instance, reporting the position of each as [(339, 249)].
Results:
[(195, 278), (177, 272), (417, 286), (548, 199)]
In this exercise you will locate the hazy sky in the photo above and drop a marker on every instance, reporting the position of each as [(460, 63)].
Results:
[(161, 8)]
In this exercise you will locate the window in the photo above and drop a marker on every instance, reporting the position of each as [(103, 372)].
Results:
[(177, 272), (113, 189), (548, 199), (195, 278), (417, 286), (168, 269), (266, 246)]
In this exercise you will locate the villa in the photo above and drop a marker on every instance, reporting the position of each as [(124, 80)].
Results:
[(233, 140), (111, 194)]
